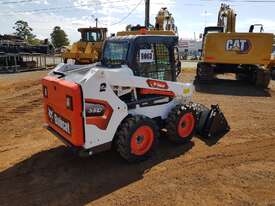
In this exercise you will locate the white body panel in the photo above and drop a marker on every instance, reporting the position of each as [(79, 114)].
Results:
[(118, 78)]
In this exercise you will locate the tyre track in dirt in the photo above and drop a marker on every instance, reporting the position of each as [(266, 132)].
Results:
[(21, 118), (17, 110)]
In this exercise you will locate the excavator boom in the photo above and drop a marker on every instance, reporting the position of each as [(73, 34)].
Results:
[(227, 18)]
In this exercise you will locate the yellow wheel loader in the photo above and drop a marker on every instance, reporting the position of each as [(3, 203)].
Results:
[(248, 55), (88, 49)]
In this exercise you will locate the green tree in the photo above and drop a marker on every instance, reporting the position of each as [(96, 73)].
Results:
[(23, 30), (59, 37), (36, 41)]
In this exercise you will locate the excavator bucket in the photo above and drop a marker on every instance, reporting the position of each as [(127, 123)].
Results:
[(211, 122)]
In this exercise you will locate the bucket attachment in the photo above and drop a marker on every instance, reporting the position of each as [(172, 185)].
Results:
[(211, 122)]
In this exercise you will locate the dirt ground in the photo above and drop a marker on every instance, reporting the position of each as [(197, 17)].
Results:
[(238, 169)]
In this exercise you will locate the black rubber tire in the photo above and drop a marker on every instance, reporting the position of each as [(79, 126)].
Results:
[(124, 134), (173, 120)]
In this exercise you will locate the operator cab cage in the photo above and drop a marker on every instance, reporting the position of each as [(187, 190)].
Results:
[(147, 55), (93, 34)]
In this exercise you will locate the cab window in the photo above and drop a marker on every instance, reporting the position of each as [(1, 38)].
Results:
[(153, 61), (115, 53), (92, 36)]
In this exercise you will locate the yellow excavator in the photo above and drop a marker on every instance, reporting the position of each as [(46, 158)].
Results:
[(88, 49), (164, 25), (165, 21), (224, 50)]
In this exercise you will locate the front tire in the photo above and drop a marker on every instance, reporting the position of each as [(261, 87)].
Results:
[(181, 124), (136, 138)]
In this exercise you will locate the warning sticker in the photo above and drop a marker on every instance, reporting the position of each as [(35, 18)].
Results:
[(146, 55)]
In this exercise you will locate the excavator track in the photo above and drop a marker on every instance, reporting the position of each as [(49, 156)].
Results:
[(205, 73)]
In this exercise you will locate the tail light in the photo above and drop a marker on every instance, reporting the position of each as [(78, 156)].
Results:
[(45, 91), (98, 113), (93, 109), (69, 102)]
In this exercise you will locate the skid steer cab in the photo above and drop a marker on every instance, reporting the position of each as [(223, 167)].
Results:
[(122, 101)]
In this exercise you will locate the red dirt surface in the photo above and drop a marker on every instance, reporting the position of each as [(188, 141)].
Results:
[(238, 169)]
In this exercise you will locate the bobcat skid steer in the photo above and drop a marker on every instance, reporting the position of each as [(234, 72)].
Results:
[(124, 100)]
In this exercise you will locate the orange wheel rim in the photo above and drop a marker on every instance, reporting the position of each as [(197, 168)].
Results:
[(142, 140), (186, 125)]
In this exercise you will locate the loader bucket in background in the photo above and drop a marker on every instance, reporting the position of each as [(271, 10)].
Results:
[(211, 122)]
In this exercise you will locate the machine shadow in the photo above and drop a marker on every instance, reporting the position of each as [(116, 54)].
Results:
[(231, 87), (56, 177)]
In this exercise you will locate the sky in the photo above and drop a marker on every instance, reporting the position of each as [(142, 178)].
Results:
[(191, 16)]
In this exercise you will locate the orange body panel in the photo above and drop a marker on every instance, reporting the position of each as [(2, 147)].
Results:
[(58, 90)]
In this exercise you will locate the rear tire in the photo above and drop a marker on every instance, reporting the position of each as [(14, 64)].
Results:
[(136, 138), (181, 124)]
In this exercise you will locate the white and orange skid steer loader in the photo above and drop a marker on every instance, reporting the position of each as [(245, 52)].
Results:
[(124, 100)]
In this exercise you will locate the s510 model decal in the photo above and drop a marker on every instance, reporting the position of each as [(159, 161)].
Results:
[(240, 46)]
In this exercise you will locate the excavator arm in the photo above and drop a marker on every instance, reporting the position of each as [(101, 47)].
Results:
[(227, 18)]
